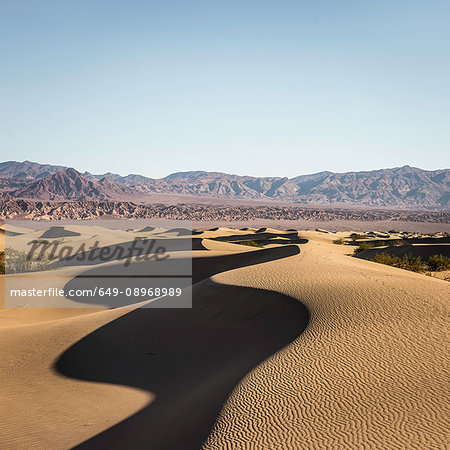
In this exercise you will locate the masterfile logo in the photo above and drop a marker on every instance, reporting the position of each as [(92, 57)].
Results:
[(96, 266)]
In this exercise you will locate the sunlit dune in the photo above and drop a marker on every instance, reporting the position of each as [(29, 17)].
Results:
[(291, 342)]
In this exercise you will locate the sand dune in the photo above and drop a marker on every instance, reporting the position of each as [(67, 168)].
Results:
[(369, 369), (58, 232), (190, 359), (285, 347), (214, 323), (422, 250)]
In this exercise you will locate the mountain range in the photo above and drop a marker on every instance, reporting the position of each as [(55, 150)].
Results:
[(402, 187)]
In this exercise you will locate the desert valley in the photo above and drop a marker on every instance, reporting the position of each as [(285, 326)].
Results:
[(265, 323), (224, 225)]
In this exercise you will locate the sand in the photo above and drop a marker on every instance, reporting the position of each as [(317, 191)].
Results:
[(290, 346), (371, 367)]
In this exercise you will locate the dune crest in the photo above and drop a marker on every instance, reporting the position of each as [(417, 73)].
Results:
[(369, 368), (295, 345)]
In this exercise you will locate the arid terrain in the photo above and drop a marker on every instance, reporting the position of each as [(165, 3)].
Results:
[(225, 225), (237, 215), (291, 342), (400, 188), (404, 198)]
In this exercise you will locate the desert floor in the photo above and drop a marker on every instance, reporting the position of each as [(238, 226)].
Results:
[(294, 345)]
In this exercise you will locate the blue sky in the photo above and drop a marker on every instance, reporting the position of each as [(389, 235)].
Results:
[(260, 88)]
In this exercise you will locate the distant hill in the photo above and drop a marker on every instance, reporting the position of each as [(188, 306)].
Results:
[(68, 184), (402, 187), (27, 170)]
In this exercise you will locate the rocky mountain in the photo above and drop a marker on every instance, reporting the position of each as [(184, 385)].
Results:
[(402, 187), (224, 185), (69, 184), (27, 170), (399, 187), (131, 180), (10, 184)]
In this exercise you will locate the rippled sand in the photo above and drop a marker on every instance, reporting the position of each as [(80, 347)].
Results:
[(289, 346)]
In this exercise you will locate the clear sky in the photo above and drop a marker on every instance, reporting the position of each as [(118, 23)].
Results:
[(261, 88)]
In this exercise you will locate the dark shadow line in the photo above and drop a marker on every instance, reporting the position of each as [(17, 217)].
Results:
[(190, 358)]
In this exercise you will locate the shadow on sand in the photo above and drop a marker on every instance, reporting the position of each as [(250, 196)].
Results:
[(191, 359)]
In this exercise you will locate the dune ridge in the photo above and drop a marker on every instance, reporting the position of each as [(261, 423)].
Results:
[(370, 369), (105, 358), (282, 349)]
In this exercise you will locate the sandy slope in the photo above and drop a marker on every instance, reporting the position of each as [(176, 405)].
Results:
[(66, 411), (41, 408), (370, 368), (240, 370)]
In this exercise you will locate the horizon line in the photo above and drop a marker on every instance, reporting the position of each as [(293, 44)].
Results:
[(65, 167)]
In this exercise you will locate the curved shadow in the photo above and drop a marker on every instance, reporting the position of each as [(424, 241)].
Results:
[(262, 237), (58, 232), (124, 250), (190, 358), (181, 231), (140, 274)]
